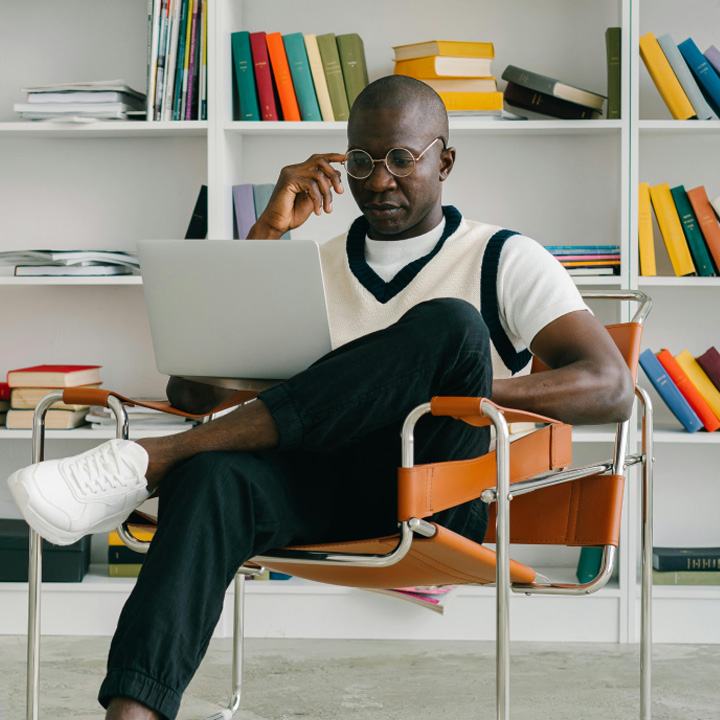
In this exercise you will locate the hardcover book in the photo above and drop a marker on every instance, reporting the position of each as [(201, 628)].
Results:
[(318, 75), (453, 48), (198, 225), (528, 99), (704, 73), (700, 380), (327, 45), (283, 78), (613, 36), (54, 419), (244, 74), (686, 577), (706, 221), (646, 239), (671, 229), (54, 376), (263, 76), (551, 86), (695, 559), (472, 100), (709, 361), (693, 234), (439, 66), (26, 398), (354, 69), (244, 209), (712, 55), (302, 76)]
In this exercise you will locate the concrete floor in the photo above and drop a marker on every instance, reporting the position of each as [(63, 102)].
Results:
[(389, 680)]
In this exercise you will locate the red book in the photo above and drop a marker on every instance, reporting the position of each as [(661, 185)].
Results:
[(709, 361), (707, 221), (263, 76), (54, 376), (283, 78), (4, 391), (689, 391)]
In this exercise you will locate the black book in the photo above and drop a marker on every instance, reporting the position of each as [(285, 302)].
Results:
[(539, 102), (198, 227), (694, 559)]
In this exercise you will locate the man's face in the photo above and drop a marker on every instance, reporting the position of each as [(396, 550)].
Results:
[(399, 207)]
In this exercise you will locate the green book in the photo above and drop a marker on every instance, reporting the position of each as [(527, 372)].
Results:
[(352, 61), (244, 72), (693, 234), (612, 44), (686, 577), (301, 76), (131, 570), (333, 75), (589, 564)]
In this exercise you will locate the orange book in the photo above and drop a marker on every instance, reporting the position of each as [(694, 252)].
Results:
[(283, 78), (707, 221), (696, 401)]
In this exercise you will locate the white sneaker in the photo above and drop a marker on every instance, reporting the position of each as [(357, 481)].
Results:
[(64, 500)]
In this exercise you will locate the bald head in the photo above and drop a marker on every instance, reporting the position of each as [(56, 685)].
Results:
[(403, 94)]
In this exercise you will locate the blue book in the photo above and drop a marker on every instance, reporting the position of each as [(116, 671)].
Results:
[(244, 71), (683, 74), (301, 76), (693, 234), (669, 392), (704, 73), (261, 196)]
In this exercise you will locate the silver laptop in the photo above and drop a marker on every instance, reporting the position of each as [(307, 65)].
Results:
[(249, 309)]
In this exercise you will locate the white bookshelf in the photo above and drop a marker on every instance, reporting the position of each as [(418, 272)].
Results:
[(107, 185)]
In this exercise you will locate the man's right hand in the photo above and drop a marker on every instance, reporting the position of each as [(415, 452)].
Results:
[(301, 189)]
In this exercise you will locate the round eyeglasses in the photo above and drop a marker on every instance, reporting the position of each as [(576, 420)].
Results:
[(400, 162)]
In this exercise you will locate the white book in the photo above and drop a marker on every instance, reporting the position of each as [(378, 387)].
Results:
[(78, 96), (71, 270), (90, 86), (77, 108), (171, 64), (715, 202), (152, 65), (318, 75)]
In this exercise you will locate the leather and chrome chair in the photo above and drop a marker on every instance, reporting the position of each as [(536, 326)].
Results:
[(552, 503)]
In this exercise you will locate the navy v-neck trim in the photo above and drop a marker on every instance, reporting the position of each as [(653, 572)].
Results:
[(384, 291)]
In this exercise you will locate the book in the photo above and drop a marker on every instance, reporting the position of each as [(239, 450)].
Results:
[(700, 380), (588, 564), (69, 257), (192, 59), (71, 97), (4, 391), (54, 419), (244, 209), (664, 78), (715, 203), (693, 559), (182, 109), (160, 66), (54, 376), (144, 532), (473, 85), (551, 86), (261, 197), (613, 36), (712, 55), (453, 48), (25, 398), (283, 78), (302, 76), (263, 76), (693, 234), (706, 221), (126, 570), (696, 401), (121, 554), (197, 227), (170, 71), (352, 61), (244, 75), (669, 392), (685, 77), (671, 229), (71, 270), (318, 75), (472, 100), (439, 66), (327, 46), (180, 63), (433, 597), (646, 240), (703, 72), (709, 361), (527, 99), (153, 44), (686, 577)]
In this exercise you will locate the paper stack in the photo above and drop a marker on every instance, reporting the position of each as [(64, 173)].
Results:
[(70, 262)]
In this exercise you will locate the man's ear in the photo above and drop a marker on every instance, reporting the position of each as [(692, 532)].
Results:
[(447, 161)]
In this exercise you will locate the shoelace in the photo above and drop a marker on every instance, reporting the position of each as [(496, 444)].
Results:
[(98, 471)]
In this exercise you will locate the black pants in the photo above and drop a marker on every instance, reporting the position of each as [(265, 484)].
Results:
[(333, 477)]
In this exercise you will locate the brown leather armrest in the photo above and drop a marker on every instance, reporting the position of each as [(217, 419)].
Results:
[(469, 410)]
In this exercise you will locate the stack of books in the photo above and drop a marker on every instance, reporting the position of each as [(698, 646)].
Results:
[(688, 80), (460, 72), (4, 401), (588, 259), (688, 226), (177, 60), (296, 76), (81, 102), (248, 203), (689, 386), (29, 385), (122, 560), (550, 96), (686, 566), (139, 418), (33, 263)]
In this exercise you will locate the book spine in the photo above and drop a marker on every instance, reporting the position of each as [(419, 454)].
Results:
[(162, 49), (705, 75), (333, 75), (669, 392), (472, 101), (546, 104), (244, 76), (671, 230), (685, 77), (152, 64), (352, 60), (186, 58), (712, 55), (283, 78), (698, 561), (664, 78), (177, 95), (318, 75), (301, 76), (197, 228), (195, 106), (709, 361), (244, 207), (695, 239), (700, 380), (263, 76), (614, 77), (191, 61), (170, 70), (646, 240), (707, 221)]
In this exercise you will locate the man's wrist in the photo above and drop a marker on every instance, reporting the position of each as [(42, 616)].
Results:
[(263, 231)]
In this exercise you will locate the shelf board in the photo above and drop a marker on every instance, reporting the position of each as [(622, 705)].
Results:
[(85, 432), (70, 280), (680, 126), (679, 281), (684, 592), (104, 129), (678, 435)]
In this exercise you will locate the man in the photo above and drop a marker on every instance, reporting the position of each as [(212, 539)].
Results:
[(422, 302)]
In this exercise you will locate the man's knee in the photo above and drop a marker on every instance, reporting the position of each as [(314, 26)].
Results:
[(452, 319)]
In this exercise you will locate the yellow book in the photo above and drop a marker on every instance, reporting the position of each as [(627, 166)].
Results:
[(138, 533), (472, 100), (318, 76), (440, 66), (646, 241), (129, 570), (664, 78), (671, 229), (455, 48), (700, 380)]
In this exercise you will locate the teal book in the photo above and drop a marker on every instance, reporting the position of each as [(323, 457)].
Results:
[(589, 564), (693, 234), (704, 73), (261, 197), (244, 73), (302, 76)]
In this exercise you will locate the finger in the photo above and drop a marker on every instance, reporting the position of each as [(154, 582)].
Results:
[(320, 182), (333, 174)]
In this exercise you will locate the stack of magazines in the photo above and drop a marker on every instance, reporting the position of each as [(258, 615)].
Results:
[(82, 102), (24, 263), (140, 418)]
